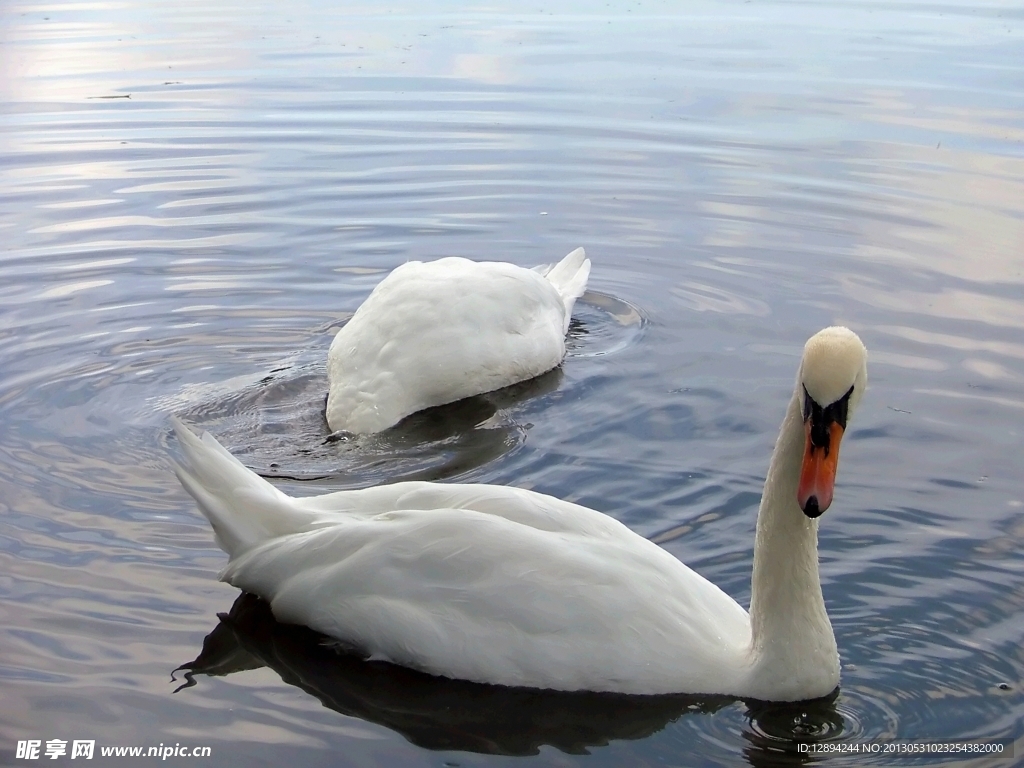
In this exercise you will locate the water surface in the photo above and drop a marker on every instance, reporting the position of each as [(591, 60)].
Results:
[(195, 196)]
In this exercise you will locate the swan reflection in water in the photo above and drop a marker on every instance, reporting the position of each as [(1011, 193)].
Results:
[(439, 713)]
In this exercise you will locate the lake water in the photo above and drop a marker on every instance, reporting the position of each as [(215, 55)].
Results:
[(195, 195)]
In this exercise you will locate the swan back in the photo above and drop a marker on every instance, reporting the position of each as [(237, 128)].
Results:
[(478, 582), (513, 589), (435, 332)]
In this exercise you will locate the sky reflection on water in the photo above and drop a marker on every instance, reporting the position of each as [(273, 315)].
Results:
[(194, 196)]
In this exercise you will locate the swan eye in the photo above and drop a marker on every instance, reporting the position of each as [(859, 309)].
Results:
[(822, 418), (840, 409)]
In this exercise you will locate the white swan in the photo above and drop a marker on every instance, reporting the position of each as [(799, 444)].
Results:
[(435, 332), (503, 585)]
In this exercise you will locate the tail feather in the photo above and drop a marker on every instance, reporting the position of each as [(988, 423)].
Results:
[(569, 277), (243, 508)]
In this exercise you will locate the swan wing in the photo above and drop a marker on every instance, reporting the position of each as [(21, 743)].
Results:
[(481, 596), (432, 333), (516, 505)]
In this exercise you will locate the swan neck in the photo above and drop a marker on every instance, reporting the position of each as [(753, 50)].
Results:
[(792, 643)]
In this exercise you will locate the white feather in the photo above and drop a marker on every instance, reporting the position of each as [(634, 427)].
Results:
[(435, 332)]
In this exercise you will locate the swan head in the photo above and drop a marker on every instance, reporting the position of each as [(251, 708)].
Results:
[(833, 376)]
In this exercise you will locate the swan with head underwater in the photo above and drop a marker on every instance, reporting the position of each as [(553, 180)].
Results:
[(435, 332), (503, 585)]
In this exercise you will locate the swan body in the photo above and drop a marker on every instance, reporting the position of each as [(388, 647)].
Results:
[(503, 585), (434, 332)]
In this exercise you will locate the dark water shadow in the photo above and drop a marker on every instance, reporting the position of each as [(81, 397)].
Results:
[(276, 425), (277, 428), (453, 420), (438, 713), (779, 733)]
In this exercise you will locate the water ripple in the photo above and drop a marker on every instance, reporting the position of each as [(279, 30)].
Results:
[(194, 196)]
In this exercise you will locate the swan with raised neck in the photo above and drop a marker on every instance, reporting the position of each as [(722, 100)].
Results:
[(793, 650), (507, 586)]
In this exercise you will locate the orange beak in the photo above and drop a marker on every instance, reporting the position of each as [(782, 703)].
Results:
[(818, 472)]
